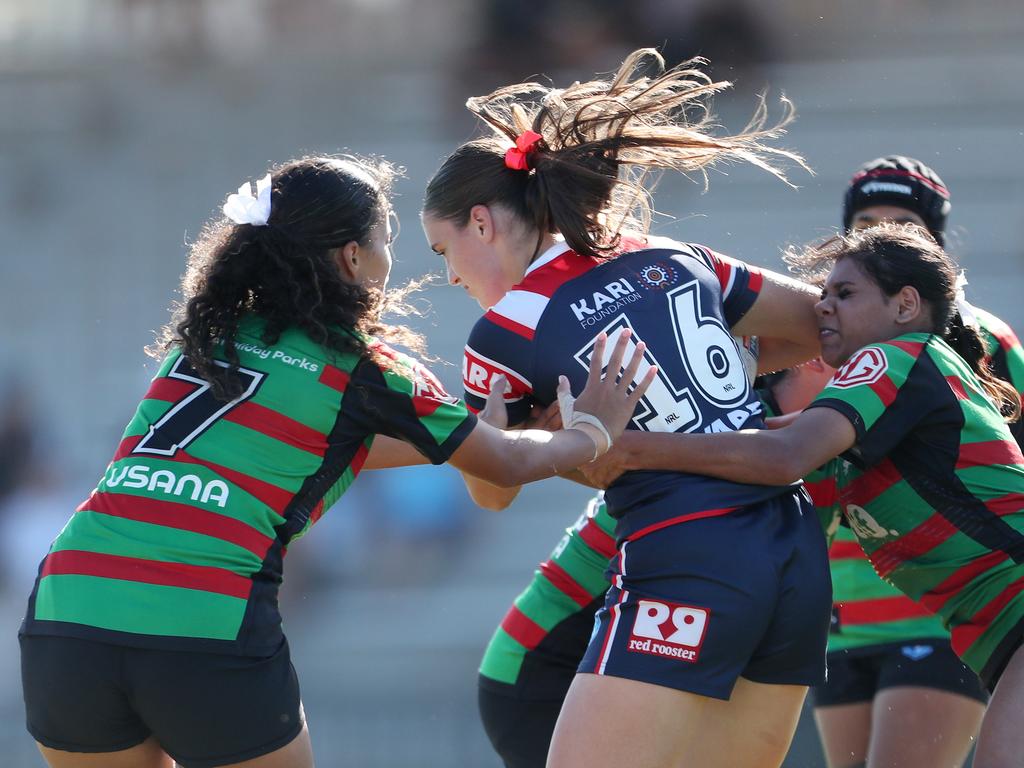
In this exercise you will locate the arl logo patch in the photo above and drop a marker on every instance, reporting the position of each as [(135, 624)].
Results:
[(865, 367), (669, 630)]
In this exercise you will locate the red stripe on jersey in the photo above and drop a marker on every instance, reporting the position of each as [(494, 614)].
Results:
[(1006, 505), (885, 389), (937, 596), (425, 405), (597, 539), (565, 583), (523, 629), (912, 348), (846, 550), (987, 453), (755, 280), (180, 516), (723, 269), (679, 519), (317, 513), (925, 537), (279, 427), (549, 278), (882, 609), (359, 459), (965, 635), (823, 493), (957, 387), (510, 325), (201, 577), (335, 378), (170, 390), (872, 483), (275, 498), (1004, 334), (126, 446)]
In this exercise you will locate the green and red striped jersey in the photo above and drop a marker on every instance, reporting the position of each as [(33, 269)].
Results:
[(866, 610), (1006, 357), (181, 544), (933, 489), (570, 580)]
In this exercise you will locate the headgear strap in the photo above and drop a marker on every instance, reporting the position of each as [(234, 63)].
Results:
[(517, 157)]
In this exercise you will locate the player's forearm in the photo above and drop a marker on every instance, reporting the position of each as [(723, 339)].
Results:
[(489, 496), (514, 458), (748, 456)]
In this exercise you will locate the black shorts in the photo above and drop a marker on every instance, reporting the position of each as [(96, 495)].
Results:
[(519, 729), (856, 675), (520, 718), (204, 709)]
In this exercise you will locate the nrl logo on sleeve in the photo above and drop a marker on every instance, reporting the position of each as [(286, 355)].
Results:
[(865, 367), (669, 630)]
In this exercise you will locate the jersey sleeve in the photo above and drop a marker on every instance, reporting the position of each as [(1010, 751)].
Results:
[(493, 351), (741, 283), (404, 400), (874, 389)]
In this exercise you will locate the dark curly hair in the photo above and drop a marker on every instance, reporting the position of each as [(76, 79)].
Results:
[(896, 255), (285, 272)]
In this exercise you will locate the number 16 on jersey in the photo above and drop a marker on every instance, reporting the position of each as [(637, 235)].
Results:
[(663, 408)]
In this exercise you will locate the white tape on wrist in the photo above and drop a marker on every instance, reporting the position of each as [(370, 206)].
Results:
[(573, 419)]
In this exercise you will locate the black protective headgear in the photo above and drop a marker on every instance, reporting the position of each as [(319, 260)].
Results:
[(903, 182)]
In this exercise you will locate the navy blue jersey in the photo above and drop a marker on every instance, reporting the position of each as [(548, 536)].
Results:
[(681, 300)]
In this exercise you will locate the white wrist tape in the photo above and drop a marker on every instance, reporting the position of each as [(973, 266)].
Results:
[(586, 423)]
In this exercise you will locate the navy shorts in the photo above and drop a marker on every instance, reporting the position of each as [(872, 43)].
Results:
[(856, 675), (696, 605), (205, 709)]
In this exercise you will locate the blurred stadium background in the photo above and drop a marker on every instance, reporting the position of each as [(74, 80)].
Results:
[(124, 123)]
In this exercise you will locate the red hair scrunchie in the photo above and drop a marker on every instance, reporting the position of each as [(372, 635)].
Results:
[(517, 157)]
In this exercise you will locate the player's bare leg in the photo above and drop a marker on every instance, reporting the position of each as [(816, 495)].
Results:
[(612, 721), (148, 754), (1001, 741), (845, 731)]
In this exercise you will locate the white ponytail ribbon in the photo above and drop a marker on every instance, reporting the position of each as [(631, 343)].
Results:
[(246, 208), (586, 423), (966, 311)]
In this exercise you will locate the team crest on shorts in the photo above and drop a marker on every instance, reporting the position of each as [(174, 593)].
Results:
[(658, 276), (668, 629)]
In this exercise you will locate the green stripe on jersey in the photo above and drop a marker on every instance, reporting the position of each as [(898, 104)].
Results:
[(155, 609), (109, 535), (543, 603)]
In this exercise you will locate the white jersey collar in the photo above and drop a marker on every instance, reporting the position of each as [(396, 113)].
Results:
[(549, 255)]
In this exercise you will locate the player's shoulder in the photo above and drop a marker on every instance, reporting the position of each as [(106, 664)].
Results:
[(891, 359)]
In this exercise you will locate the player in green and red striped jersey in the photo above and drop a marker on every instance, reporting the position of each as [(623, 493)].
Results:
[(153, 631), (931, 482), (904, 190)]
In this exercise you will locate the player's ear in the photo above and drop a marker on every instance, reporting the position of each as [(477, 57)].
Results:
[(908, 305), (481, 222), (346, 258)]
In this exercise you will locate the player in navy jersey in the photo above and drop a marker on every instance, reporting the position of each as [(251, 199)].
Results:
[(152, 635), (931, 480), (716, 620)]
